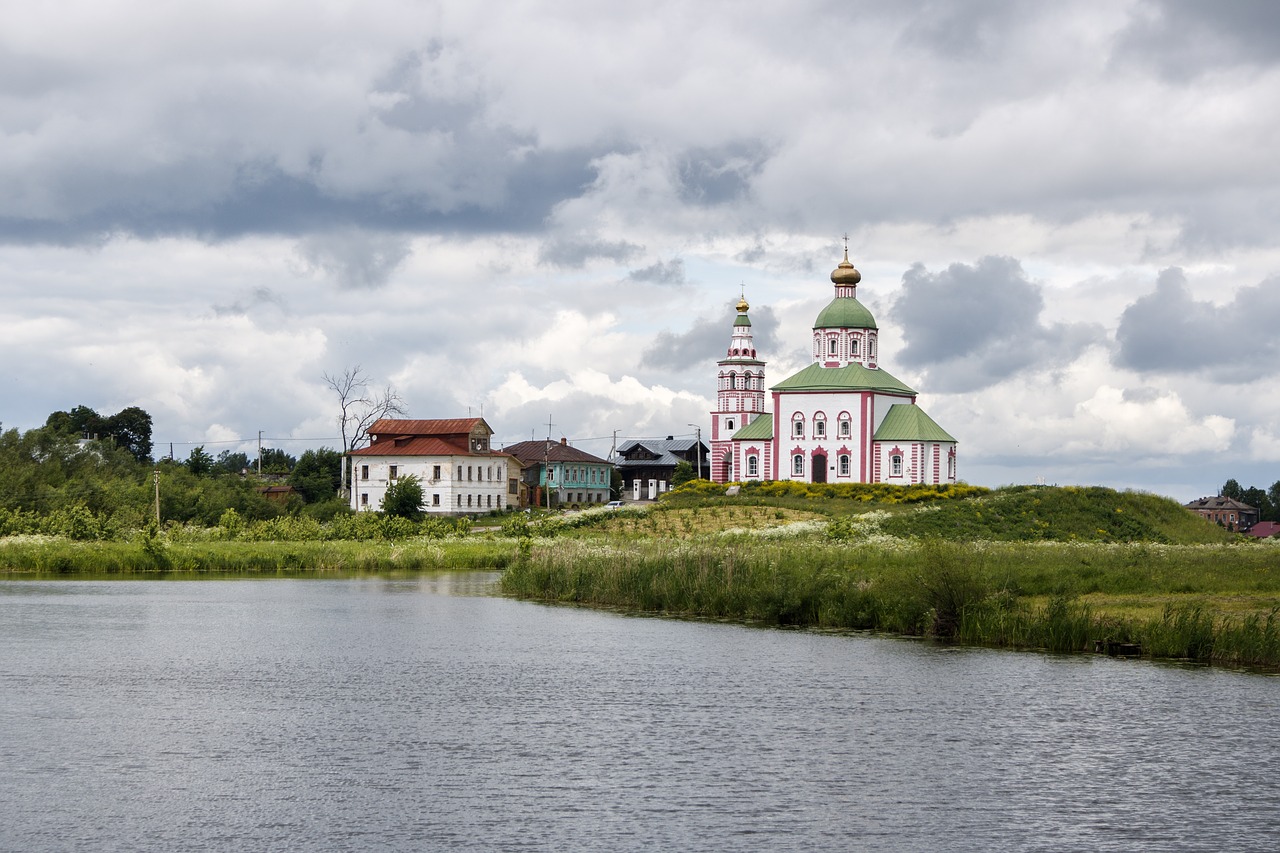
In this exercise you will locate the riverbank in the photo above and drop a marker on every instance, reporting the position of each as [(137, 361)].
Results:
[(1206, 603)]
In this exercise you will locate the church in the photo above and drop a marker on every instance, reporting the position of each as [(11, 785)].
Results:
[(842, 419)]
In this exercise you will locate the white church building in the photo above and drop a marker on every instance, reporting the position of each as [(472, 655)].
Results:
[(842, 419)]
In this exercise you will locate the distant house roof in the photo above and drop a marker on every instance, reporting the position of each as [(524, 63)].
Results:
[(1219, 502), (760, 429), (657, 453), (908, 422), (1265, 529), (436, 426), (431, 437), (851, 377), (533, 452)]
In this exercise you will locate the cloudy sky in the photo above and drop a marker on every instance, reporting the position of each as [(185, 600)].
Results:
[(1065, 214)]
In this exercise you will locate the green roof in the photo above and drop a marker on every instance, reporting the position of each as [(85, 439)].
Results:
[(907, 422), (742, 320), (851, 377), (760, 429), (845, 312)]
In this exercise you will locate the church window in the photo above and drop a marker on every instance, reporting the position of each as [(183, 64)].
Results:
[(844, 464), (797, 465), (831, 346), (844, 426), (819, 427), (797, 426), (853, 347), (895, 465), (951, 466), (753, 466), (728, 424)]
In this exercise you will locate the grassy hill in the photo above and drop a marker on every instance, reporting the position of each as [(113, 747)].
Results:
[(1061, 513)]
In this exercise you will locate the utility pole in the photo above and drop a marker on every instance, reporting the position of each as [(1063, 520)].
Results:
[(546, 463), (155, 476), (698, 475), (259, 453)]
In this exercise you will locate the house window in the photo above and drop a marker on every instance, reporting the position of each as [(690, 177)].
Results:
[(844, 464), (391, 472), (364, 472), (488, 501), (895, 465), (435, 472), (459, 501), (468, 501), (513, 486), (753, 466), (459, 477), (499, 501), (468, 472), (435, 500), (797, 465), (364, 499)]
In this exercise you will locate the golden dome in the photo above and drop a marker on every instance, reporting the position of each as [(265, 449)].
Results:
[(742, 305), (845, 272)]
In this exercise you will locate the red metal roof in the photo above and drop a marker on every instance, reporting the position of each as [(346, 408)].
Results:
[(1263, 529), (436, 426)]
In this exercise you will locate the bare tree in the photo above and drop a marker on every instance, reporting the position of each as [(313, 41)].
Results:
[(359, 409)]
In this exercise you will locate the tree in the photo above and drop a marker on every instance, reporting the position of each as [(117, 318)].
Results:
[(131, 430), (683, 473), (1231, 489), (404, 498), (358, 409), (318, 475), (616, 484), (199, 462), (275, 461), (232, 463)]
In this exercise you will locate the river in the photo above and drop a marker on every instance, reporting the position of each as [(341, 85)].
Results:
[(424, 712)]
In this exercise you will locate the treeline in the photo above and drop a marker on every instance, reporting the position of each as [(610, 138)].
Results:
[(61, 480), (1266, 500)]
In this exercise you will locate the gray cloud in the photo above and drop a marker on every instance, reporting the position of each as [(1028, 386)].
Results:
[(574, 253), (1185, 38), (257, 298), (707, 341), (660, 272), (720, 175), (973, 326), (1169, 331), (356, 260)]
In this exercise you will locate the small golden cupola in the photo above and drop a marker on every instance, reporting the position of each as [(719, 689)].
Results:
[(846, 276)]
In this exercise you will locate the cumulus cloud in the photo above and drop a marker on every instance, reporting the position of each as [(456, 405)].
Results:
[(660, 272), (973, 326), (356, 260), (1171, 331), (707, 341), (576, 252)]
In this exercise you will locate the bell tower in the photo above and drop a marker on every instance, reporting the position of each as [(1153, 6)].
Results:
[(739, 396)]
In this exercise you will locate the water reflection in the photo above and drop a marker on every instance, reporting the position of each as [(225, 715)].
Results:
[(410, 712)]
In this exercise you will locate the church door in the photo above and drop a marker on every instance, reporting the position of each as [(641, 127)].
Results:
[(819, 468), (728, 468)]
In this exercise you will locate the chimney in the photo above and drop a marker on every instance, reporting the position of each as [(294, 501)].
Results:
[(671, 438), (564, 442)]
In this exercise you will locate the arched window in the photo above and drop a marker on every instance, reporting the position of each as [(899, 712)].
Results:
[(895, 465), (844, 426), (753, 466), (844, 464), (729, 424), (797, 465), (853, 347), (797, 425), (831, 346), (819, 426)]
